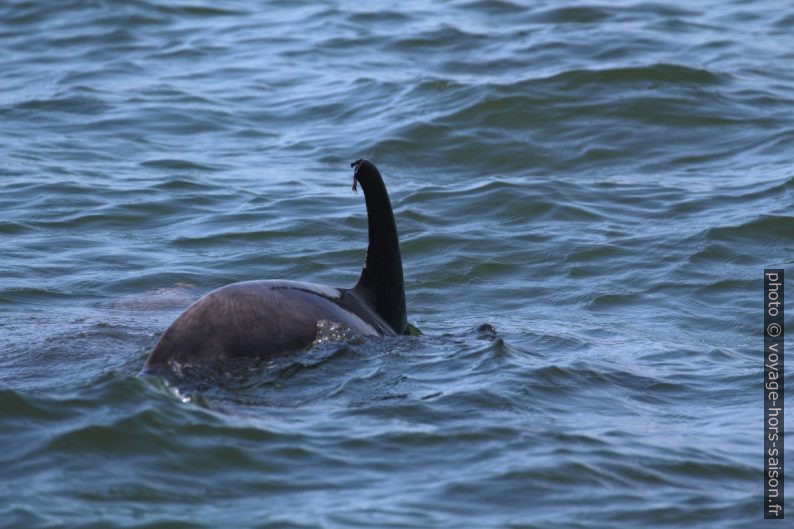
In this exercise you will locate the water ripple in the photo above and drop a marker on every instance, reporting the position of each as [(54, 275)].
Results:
[(586, 195)]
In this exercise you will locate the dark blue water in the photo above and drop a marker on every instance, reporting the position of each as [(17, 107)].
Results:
[(586, 194)]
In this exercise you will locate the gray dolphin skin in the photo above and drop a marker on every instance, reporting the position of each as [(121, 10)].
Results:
[(263, 319)]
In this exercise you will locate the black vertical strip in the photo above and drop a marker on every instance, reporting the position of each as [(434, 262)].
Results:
[(773, 393)]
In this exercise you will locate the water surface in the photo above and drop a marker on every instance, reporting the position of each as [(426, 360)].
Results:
[(586, 193)]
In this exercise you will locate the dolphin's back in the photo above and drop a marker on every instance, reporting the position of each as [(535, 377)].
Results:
[(259, 319)]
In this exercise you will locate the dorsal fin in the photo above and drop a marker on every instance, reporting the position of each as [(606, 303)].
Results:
[(381, 280)]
